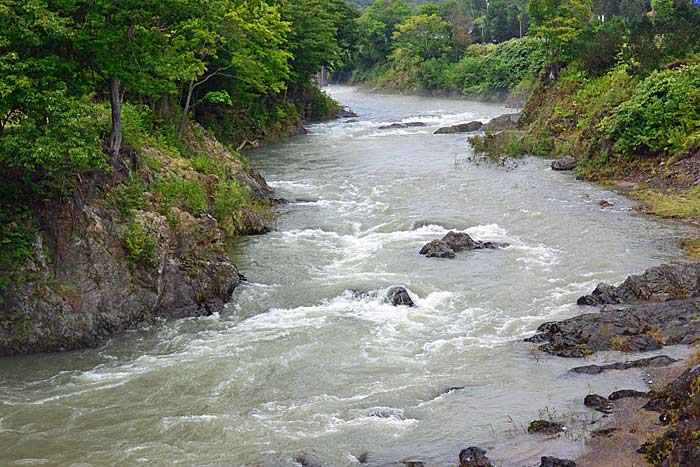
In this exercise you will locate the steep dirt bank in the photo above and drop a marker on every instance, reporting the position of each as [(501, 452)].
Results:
[(144, 242)]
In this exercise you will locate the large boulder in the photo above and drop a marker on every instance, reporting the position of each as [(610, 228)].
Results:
[(503, 122), (565, 163), (661, 283), (454, 242), (474, 457), (633, 328), (398, 296), (460, 128)]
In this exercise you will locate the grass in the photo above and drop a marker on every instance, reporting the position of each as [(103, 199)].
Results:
[(684, 205)]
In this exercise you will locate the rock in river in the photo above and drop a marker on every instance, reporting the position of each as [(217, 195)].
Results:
[(454, 242), (398, 296), (545, 426), (599, 403), (565, 163), (394, 126), (503, 122), (460, 128)]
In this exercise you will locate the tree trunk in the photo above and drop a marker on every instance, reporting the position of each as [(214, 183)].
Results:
[(186, 110), (116, 97)]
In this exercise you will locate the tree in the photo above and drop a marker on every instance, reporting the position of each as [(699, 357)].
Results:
[(378, 24), (423, 37), (557, 23)]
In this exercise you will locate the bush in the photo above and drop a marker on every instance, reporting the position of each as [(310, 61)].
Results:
[(229, 201), (139, 245), (661, 116)]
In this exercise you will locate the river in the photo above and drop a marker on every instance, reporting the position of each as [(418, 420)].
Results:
[(302, 364)]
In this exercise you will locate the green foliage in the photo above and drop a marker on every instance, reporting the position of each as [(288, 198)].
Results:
[(661, 115), (188, 194), (127, 197), (140, 246), (422, 37), (230, 199)]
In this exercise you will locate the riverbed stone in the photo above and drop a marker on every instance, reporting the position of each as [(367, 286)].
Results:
[(474, 457), (565, 163), (460, 128), (546, 427), (599, 403), (548, 461), (657, 361), (627, 393)]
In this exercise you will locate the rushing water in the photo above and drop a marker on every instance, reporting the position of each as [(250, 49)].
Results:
[(299, 364)]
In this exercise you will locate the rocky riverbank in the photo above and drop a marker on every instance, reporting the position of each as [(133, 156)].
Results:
[(146, 242)]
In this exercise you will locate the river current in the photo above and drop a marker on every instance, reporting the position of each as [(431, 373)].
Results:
[(301, 363)]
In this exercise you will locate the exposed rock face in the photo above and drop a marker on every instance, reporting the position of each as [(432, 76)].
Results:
[(662, 283), (632, 328), (680, 402), (398, 296), (565, 163), (555, 462), (95, 285), (394, 126), (503, 122), (660, 360), (454, 242), (460, 128), (599, 403), (545, 426), (474, 457)]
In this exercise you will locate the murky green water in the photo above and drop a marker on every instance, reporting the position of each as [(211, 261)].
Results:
[(300, 365)]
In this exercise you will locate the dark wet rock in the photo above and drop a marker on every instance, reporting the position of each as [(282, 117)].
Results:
[(306, 460), (565, 163), (437, 249), (474, 457), (394, 126), (548, 461), (633, 328), (451, 390), (604, 432), (346, 112), (354, 120), (661, 283), (627, 393), (454, 242), (545, 426), (599, 403), (279, 201), (460, 128), (503, 122), (604, 203), (413, 464), (302, 131), (398, 296), (660, 360)]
